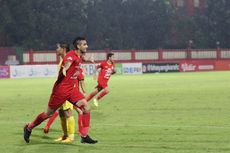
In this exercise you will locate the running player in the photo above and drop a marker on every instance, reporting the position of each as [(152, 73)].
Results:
[(66, 88), (107, 68)]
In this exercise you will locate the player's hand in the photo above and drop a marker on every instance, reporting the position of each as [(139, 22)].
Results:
[(64, 71), (114, 71), (91, 58)]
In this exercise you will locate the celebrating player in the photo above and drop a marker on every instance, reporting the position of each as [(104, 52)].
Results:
[(66, 88), (107, 68), (65, 112)]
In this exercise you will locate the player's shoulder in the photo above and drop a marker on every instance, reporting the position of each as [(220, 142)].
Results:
[(70, 53), (100, 63), (104, 63), (70, 56)]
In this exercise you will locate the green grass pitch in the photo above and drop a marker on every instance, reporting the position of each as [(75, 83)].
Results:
[(151, 113)]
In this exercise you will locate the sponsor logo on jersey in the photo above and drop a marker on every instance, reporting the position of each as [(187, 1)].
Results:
[(70, 58)]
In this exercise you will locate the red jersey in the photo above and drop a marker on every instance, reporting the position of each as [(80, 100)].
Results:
[(81, 75), (68, 82), (106, 70)]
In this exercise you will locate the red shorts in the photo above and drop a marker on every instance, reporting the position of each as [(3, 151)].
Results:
[(57, 99), (102, 84)]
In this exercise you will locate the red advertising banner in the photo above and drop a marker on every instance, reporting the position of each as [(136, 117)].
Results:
[(197, 65), (222, 65), (4, 72)]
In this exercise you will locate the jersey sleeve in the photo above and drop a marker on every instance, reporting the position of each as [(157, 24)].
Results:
[(68, 58), (81, 75), (100, 65)]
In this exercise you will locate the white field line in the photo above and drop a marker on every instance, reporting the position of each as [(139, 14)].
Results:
[(163, 126), (4, 122)]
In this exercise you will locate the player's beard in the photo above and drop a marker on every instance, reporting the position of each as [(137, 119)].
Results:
[(58, 54), (83, 51)]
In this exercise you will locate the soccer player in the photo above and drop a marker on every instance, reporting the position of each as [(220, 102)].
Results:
[(107, 68), (66, 88), (65, 112)]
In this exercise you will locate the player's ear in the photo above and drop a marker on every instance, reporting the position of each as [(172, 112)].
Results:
[(78, 46)]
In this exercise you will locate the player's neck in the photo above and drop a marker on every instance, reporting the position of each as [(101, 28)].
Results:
[(62, 56), (109, 62), (78, 52)]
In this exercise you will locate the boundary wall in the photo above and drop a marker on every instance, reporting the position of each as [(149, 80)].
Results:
[(51, 70)]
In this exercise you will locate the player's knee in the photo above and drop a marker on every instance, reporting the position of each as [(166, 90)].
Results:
[(61, 112), (95, 92), (86, 108), (98, 90), (49, 112), (83, 104), (68, 113), (107, 90), (80, 112)]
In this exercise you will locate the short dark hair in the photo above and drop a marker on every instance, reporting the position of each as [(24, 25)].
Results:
[(65, 45), (77, 40), (109, 54)]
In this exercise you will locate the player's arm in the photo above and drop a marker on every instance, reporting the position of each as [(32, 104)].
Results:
[(95, 72), (99, 66), (82, 84), (114, 71), (65, 67), (90, 59)]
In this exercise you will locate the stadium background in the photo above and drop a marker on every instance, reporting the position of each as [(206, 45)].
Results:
[(155, 112), (43, 63)]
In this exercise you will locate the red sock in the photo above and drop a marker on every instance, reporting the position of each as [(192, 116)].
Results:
[(38, 120), (90, 96), (86, 122), (102, 94), (51, 119), (80, 123), (86, 119)]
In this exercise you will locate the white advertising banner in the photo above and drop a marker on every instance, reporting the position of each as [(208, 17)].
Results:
[(33, 71), (132, 68), (88, 69)]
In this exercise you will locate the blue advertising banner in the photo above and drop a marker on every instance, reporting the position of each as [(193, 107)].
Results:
[(132, 68)]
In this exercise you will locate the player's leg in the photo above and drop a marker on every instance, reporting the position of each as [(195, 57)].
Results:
[(79, 108), (70, 122), (80, 119), (105, 90), (98, 89), (38, 120), (85, 138), (50, 121), (54, 103), (103, 93), (78, 100), (63, 125), (92, 94)]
